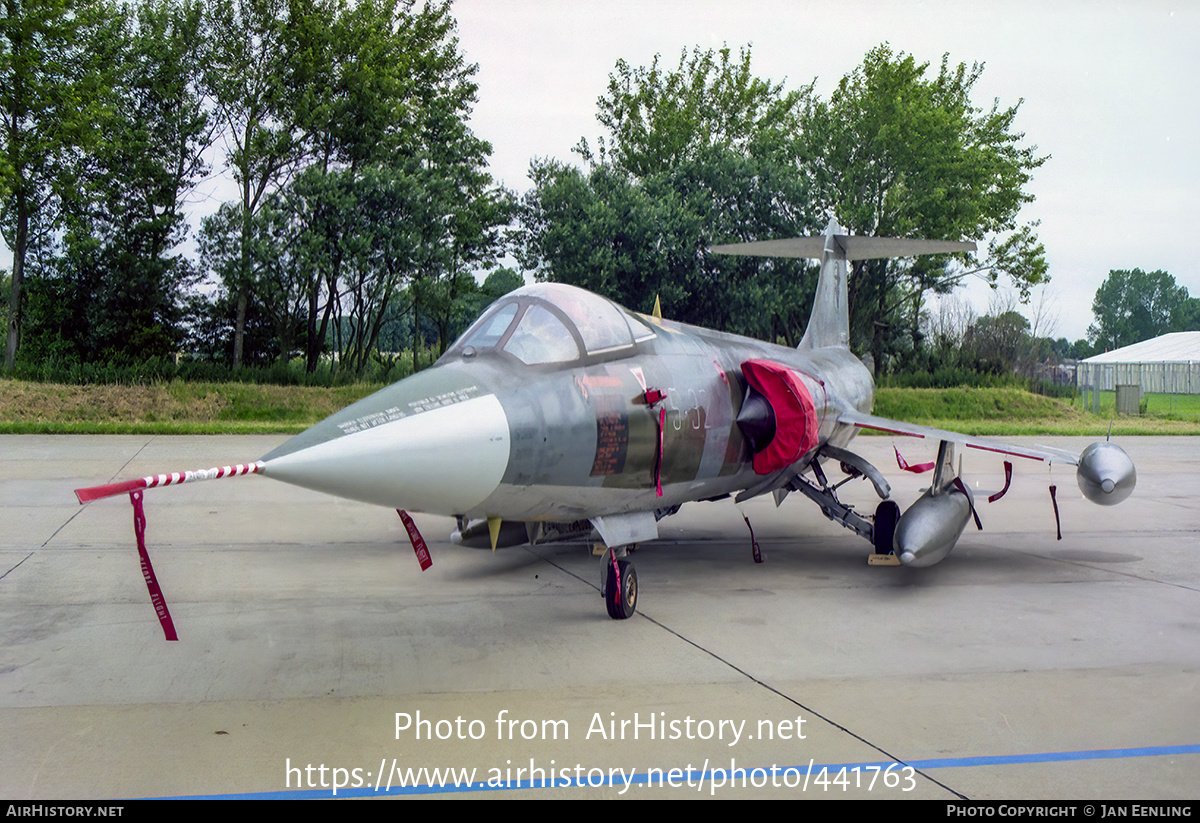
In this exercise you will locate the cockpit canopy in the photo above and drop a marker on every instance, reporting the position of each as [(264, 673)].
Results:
[(553, 323)]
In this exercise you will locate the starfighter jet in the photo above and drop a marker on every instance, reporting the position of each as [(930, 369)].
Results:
[(559, 413)]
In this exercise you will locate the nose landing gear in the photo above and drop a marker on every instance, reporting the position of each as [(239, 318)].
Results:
[(618, 582), (621, 589)]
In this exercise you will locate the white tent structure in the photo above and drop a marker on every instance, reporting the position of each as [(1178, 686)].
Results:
[(1169, 364)]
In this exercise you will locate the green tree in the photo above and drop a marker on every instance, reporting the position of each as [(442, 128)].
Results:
[(896, 153), (1132, 305), (276, 270), (378, 180), (657, 119), (49, 103), (246, 79), (605, 232), (120, 263), (704, 151), (1081, 349), (1187, 315), (5, 285), (707, 151), (999, 344), (496, 285)]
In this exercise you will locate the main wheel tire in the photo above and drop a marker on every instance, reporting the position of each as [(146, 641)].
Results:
[(887, 515), (621, 590)]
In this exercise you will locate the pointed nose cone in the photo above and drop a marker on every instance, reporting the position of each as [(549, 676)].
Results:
[(1105, 474), (445, 460)]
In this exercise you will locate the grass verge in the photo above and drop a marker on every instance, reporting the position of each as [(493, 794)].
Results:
[(236, 408), (168, 408), (1013, 412)]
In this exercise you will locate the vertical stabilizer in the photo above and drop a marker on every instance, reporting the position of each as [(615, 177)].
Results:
[(829, 323)]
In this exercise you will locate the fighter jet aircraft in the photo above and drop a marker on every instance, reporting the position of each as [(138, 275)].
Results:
[(559, 412)]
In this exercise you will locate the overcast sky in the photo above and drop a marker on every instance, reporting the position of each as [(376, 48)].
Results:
[(1111, 91)]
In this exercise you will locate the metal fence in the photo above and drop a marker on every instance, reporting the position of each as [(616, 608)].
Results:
[(1154, 378)]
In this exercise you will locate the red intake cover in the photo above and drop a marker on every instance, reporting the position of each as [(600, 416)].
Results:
[(795, 414)]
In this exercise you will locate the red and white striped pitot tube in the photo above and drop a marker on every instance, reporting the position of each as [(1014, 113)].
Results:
[(175, 478)]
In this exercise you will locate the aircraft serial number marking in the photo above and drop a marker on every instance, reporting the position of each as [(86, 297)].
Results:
[(393, 413)]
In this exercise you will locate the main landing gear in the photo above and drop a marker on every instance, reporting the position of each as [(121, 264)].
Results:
[(887, 515)]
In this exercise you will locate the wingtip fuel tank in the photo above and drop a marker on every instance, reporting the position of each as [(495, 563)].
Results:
[(1105, 473)]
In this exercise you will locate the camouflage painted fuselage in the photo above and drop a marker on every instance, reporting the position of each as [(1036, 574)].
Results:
[(576, 439)]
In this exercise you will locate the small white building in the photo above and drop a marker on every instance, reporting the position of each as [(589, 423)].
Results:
[(1169, 364)]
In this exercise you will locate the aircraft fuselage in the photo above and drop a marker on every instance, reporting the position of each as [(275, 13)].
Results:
[(563, 444), (559, 412)]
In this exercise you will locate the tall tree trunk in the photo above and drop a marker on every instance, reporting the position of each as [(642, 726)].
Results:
[(416, 330), (239, 329), (18, 280)]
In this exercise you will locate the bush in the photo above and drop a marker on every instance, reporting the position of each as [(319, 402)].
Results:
[(950, 377), (953, 377), (381, 369), (1046, 388)]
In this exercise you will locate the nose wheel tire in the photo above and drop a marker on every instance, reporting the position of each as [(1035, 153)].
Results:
[(621, 590)]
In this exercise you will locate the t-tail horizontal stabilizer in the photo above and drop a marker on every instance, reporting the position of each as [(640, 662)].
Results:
[(829, 323), (846, 247)]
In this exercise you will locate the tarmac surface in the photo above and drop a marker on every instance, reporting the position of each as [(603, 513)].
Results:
[(314, 651)]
